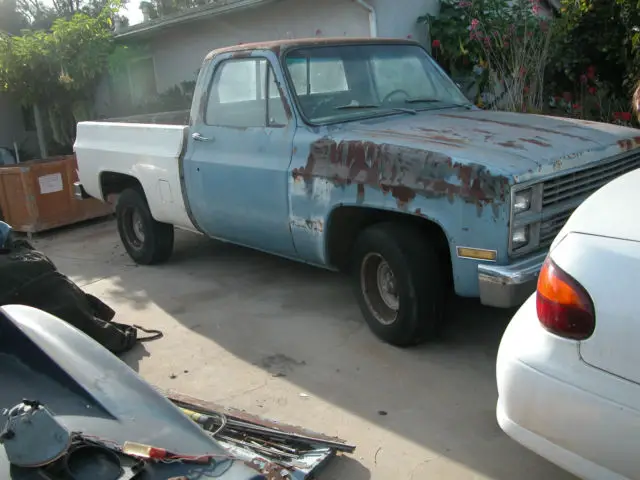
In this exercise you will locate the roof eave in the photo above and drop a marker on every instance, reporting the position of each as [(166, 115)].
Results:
[(191, 15)]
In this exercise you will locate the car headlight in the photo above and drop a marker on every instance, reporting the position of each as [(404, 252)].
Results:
[(522, 201), (520, 237)]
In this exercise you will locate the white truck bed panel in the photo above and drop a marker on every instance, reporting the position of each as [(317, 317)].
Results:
[(147, 152)]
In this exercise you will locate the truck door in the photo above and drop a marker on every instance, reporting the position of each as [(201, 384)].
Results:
[(239, 152)]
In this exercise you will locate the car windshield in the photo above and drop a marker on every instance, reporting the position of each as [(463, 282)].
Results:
[(347, 82)]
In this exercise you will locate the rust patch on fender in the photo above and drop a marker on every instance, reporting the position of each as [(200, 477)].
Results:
[(517, 125), (535, 141), (404, 172)]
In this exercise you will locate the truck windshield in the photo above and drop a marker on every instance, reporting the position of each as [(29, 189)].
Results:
[(347, 82)]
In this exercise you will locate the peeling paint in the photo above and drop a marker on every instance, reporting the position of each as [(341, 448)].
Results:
[(629, 143), (511, 144), (480, 119), (535, 141), (402, 171), (315, 225)]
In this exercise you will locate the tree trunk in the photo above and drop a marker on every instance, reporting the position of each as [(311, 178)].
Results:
[(42, 141)]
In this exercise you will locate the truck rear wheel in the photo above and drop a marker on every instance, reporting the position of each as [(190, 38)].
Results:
[(399, 283), (146, 240)]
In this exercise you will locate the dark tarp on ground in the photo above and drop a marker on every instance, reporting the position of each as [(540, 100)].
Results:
[(28, 277)]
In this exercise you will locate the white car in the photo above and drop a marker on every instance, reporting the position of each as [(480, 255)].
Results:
[(568, 367)]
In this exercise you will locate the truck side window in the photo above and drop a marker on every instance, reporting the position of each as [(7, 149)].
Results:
[(243, 93)]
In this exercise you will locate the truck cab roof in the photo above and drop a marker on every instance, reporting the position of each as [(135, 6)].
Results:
[(278, 46)]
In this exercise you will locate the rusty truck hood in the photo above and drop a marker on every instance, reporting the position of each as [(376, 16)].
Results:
[(519, 145)]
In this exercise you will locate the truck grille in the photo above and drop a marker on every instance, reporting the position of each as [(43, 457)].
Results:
[(587, 181), (577, 184)]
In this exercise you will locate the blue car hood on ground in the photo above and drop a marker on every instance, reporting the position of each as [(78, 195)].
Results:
[(89, 390)]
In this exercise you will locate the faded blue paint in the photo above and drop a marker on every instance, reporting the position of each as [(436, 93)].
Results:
[(236, 182), (275, 189)]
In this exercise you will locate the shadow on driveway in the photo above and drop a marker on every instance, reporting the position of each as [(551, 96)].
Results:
[(303, 323)]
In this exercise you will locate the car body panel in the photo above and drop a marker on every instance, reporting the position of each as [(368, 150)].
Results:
[(581, 418)]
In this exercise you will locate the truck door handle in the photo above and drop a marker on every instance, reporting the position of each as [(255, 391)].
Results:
[(199, 138)]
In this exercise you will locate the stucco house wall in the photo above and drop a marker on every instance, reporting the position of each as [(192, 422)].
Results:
[(175, 52)]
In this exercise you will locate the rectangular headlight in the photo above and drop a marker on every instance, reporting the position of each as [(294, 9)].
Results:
[(520, 237), (522, 201)]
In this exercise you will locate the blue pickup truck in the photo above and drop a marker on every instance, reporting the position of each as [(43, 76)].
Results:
[(358, 155)]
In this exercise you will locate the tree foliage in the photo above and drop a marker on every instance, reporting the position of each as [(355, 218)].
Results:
[(41, 14), (59, 70)]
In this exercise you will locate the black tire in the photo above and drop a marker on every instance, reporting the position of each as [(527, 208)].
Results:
[(418, 279), (149, 241)]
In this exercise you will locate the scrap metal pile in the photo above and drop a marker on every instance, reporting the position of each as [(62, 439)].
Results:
[(35, 441), (284, 449)]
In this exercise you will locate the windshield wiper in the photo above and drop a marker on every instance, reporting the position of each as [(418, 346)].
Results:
[(436, 100), (356, 106), (422, 100), (352, 106)]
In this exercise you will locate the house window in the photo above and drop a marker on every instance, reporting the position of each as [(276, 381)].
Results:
[(142, 80), (244, 93)]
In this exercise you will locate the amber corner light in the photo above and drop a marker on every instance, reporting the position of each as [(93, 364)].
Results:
[(477, 253)]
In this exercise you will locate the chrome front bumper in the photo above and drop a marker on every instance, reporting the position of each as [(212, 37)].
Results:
[(506, 286)]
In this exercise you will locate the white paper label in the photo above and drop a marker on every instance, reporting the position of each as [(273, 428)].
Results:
[(50, 183)]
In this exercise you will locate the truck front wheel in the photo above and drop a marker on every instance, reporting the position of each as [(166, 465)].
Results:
[(399, 283), (146, 240)]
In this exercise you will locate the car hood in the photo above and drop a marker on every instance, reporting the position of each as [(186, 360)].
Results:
[(606, 212), (522, 145)]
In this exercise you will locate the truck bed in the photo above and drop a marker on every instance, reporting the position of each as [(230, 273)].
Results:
[(147, 152)]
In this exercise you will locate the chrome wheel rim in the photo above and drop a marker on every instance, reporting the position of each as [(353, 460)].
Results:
[(379, 288), (134, 228)]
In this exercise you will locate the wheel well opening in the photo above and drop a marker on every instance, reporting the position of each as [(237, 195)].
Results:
[(346, 223), (112, 183)]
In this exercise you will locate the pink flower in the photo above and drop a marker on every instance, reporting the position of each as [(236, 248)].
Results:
[(591, 72), (435, 44), (583, 79), (464, 4), (625, 116), (523, 71), (535, 7), (567, 96), (474, 23), (593, 90)]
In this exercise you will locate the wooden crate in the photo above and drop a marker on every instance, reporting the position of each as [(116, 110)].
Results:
[(38, 195)]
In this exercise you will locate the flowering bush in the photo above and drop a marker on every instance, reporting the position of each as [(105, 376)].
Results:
[(504, 44), (594, 57), (593, 101)]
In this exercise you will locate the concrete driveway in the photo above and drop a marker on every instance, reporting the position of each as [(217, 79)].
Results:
[(287, 341)]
